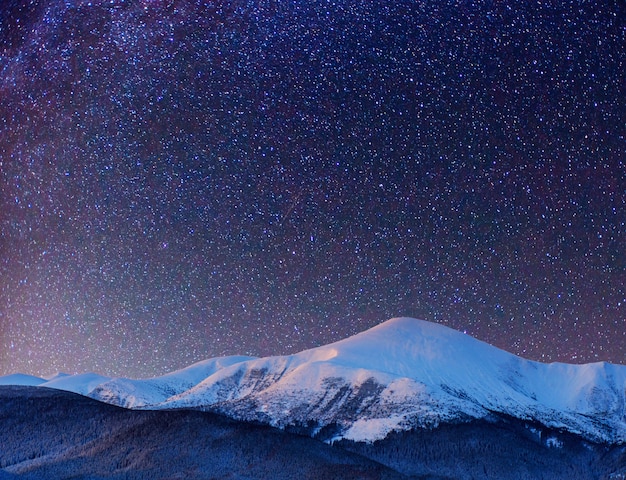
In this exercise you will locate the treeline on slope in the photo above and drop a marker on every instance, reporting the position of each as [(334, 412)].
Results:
[(53, 434), (503, 448)]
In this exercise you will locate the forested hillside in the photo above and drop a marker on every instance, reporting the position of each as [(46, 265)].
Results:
[(50, 434)]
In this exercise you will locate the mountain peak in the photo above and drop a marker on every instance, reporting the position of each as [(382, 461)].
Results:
[(405, 328), (409, 347), (409, 323), (401, 374)]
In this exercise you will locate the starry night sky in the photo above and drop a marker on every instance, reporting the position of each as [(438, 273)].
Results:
[(188, 179)]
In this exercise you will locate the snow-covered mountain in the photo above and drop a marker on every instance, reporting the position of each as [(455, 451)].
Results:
[(130, 393), (399, 375), (155, 391), (21, 379)]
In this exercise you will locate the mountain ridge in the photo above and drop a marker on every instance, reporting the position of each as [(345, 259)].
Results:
[(399, 375)]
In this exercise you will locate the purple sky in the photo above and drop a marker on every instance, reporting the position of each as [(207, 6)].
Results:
[(186, 179)]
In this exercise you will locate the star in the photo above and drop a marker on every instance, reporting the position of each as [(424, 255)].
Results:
[(185, 180)]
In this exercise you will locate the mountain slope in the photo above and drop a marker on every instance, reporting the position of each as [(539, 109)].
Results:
[(53, 434), (49, 433), (135, 393), (400, 375), (21, 379), (407, 373)]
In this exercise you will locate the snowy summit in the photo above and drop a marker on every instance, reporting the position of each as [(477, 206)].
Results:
[(400, 375)]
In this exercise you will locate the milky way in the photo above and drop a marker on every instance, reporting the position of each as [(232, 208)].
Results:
[(183, 180)]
